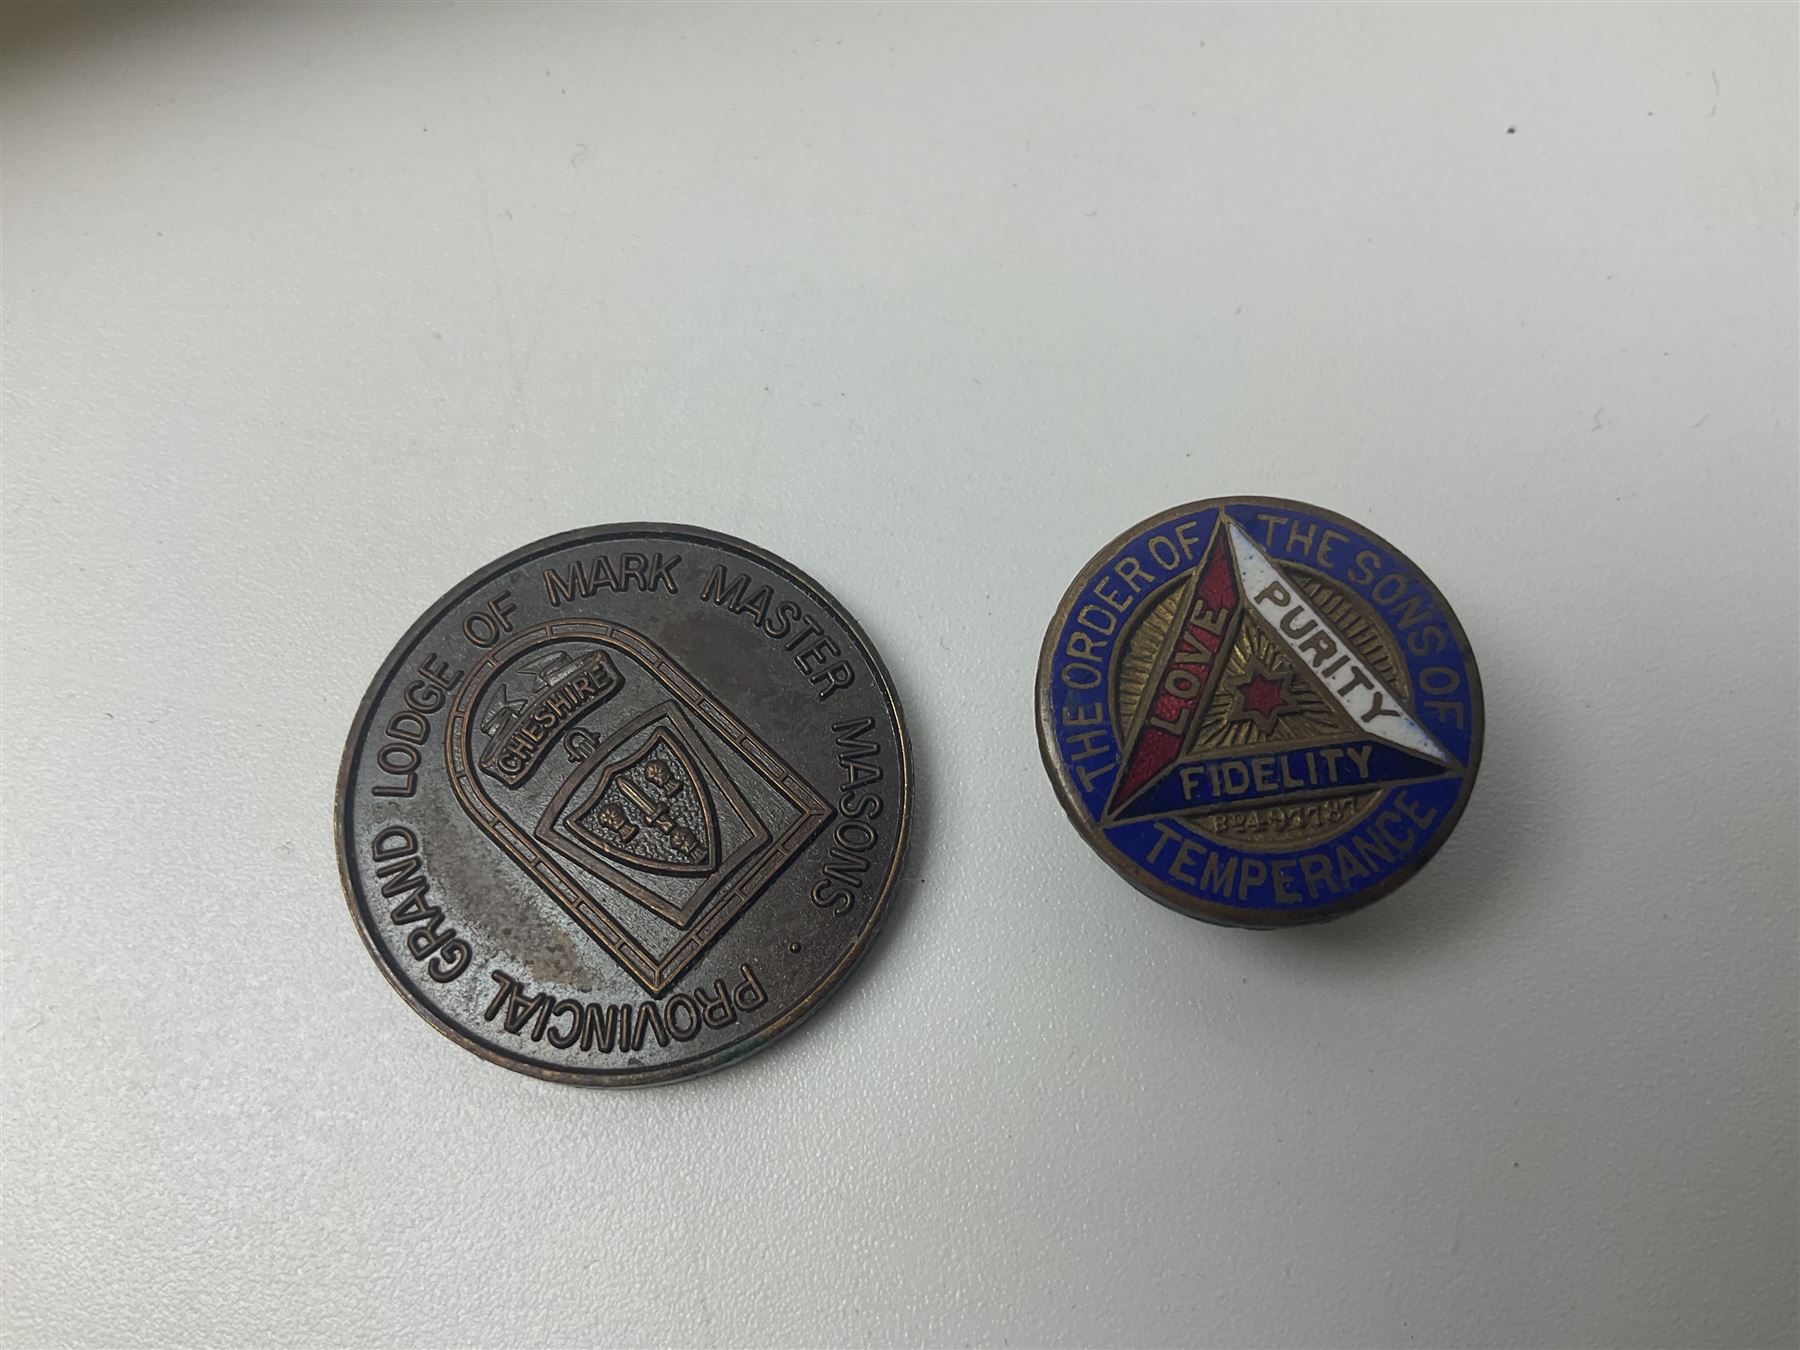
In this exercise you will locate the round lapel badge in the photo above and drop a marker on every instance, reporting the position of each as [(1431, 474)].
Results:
[(1260, 713)]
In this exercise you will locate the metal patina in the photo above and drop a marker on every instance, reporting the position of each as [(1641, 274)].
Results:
[(625, 805), (1258, 712)]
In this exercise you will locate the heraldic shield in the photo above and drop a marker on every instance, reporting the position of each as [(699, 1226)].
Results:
[(629, 794), (654, 810)]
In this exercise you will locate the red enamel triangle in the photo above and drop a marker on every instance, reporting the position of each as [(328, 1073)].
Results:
[(1185, 671)]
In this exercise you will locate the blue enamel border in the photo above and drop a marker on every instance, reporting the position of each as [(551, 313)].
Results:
[(1173, 851)]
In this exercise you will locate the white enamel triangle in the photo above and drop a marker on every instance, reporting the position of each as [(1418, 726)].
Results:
[(1363, 695)]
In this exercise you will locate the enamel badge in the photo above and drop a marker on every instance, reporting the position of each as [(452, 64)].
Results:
[(1259, 712)]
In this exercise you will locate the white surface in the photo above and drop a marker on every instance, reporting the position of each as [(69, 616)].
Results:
[(310, 311)]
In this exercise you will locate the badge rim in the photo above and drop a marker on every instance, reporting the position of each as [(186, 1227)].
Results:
[(1166, 893), (732, 1051)]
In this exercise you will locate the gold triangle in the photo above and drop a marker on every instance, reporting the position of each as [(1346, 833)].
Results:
[(1311, 713)]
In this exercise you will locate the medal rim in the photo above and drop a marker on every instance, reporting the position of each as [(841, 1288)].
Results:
[(732, 1051), (1164, 892)]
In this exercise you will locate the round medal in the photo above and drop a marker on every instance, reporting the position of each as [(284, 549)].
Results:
[(1259, 712), (625, 805)]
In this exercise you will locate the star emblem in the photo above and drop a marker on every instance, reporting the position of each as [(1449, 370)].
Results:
[(1263, 698)]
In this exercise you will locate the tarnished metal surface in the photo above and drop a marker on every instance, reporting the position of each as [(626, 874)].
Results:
[(625, 805)]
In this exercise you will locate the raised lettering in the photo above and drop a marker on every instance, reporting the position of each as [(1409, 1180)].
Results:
[(749, 994)]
